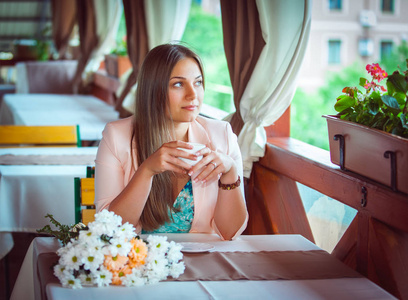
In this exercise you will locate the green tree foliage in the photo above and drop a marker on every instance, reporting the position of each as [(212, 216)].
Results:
[(397, 59), (307, 109)]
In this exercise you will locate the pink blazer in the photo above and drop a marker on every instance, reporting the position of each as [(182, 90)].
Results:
[(114, 167)]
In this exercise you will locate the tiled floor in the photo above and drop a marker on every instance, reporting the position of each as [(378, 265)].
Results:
[(10, 265)]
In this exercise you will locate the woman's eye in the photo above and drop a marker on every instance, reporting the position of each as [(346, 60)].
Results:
[(177, 84), (199, 83)]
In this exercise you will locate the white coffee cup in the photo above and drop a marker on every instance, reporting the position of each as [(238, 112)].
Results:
[(196, 147)]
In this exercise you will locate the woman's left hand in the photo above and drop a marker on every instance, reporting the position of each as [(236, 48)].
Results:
[(212, 166)]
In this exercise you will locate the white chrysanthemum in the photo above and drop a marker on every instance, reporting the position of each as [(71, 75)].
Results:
[(72, 258), (92, 259), (106, 222), (60, 271), (136, 278), (102, 277), (158, 245), (87, 236), (174, 253), (156, 268), (96, 245), (86, 279), (65, 249), (119, 246), (106, 216), (176, 269), (71, 282), (126, 232)]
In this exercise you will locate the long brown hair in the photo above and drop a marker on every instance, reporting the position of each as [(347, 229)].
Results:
[(151, 127)]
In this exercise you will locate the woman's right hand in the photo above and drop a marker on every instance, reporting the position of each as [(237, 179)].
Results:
[(166, 158)]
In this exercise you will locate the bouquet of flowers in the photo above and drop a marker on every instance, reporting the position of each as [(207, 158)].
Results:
[(376, 106), (109, 252)]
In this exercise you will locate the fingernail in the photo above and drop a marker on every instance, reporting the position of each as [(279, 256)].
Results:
[(190, 173)]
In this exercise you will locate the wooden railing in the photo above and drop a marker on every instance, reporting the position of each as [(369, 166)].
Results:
[(376, 242)]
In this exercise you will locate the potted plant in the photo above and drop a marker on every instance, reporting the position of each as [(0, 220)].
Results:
[(369, 135), (117, 62)]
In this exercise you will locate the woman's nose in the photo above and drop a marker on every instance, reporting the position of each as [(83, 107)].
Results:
[(191, 93)]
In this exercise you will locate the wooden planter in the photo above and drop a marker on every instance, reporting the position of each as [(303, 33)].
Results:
[(116, 65), (373, 153)]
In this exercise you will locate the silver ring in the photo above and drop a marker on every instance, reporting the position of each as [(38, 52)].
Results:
[(215, 165)]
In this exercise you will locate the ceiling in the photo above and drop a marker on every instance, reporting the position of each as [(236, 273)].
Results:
[(22, 21)]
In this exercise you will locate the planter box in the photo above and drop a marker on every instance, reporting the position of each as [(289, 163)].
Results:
[(116, 66), (373, 153)]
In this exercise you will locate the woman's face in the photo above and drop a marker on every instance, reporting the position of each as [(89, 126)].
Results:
[(186, 91)]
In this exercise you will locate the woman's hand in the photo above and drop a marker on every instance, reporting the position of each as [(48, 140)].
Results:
[(213, 166), (167, 158)]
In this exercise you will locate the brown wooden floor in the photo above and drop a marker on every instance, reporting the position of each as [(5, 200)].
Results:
[(10, 265)]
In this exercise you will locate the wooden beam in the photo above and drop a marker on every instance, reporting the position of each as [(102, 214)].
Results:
[(281, 128), (311, 166)]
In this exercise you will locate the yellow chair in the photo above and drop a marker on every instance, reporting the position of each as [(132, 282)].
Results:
[(84, 200), (45, 136)]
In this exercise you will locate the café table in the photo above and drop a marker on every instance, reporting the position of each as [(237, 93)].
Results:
[(320, 277), (35, 182), (89, 112)]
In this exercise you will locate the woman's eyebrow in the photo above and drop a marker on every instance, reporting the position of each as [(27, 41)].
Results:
[(181, 77)]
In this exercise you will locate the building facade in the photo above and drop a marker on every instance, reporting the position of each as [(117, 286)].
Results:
[(344, 32)]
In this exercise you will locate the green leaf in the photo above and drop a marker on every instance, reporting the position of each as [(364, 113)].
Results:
[(373, 108), (363, 81), (404, 121), (341, 97), (376, 96), (400, 97), (391, 103), (344, 103), (398, 82), (346, 112)]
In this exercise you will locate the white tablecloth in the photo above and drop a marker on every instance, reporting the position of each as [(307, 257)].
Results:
[(89, 112), (29, 192), (340, 288)]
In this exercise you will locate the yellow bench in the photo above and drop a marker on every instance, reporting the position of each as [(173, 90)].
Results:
[(84, 200), (45, 136)]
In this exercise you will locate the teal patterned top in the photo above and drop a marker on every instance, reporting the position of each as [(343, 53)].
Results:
[(183, 217)]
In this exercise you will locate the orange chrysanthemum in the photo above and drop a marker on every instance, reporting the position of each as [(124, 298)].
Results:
[(115, 263), (138, 253), (117, 275)]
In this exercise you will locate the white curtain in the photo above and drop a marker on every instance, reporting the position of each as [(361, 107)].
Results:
[(165, 22), (108, 13), (285, 29)]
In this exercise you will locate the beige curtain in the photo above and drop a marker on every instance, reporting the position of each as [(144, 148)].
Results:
[(166, 21), (285, 29), (107, 15), (63, 21), (137, 43), (88, 39)]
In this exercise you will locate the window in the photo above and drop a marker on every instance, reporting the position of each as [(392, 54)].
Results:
[(387, 6), (335, 4), (366, 47), (334, 52), (207, 23), (386, 49)]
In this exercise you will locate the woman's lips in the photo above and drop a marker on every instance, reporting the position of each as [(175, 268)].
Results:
[(190, 107)]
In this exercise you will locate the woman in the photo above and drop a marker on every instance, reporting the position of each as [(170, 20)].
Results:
[(139, 171)]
